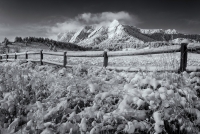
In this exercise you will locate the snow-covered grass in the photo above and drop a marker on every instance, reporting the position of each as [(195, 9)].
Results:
[(164, 61), (48, 100)]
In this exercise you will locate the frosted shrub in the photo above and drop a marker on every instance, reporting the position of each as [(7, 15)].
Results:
[(95, 100), (79, 70)]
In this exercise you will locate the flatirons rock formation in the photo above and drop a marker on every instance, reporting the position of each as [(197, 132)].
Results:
[(65, 37), (113, 33)]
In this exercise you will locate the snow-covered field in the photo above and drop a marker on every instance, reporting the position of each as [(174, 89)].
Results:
[(165, 61), (47, 100)]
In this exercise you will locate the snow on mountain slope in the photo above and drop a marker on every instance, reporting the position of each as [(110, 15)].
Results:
[(115, 28), (96, 30), (171, 31), (82, 34), (151, 31), (115, 33), (118, 34), (96, 37), (65, 37)]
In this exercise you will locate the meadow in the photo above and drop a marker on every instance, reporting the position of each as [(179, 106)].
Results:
[(49, 99), (90, 99)]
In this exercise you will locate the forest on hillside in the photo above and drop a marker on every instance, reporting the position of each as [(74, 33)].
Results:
[(168, 37), (162, 39), (52, 44)]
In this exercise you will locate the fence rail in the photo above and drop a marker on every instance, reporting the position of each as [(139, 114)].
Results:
[(184, 48)]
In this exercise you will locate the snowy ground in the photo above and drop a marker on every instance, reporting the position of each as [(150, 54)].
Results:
[(47, 100), (165, 61)]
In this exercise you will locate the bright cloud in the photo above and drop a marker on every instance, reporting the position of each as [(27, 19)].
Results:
[(103, 17)]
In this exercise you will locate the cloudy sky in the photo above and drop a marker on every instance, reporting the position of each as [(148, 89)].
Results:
[(46, 18)]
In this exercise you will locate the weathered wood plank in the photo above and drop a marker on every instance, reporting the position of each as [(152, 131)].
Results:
[(54, 63), (33, 60), (64, 59), (41, 57), (85, 54), (11, 54), (26, 56), (183, 57), (15, 56), (23, 53), (8, 60), (168, 49), (33, 53), (105, 59), (54, 53)]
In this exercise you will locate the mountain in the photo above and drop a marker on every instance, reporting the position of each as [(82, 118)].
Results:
[(171, 31), (117, 35), (113, 33), (65, 37), (81, 34), (153, 31)]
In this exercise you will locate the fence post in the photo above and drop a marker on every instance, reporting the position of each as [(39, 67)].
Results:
[(7, 57), (65, 59), (26, 55), (105, 61), (41, 57), (183, 62), (15, 55)]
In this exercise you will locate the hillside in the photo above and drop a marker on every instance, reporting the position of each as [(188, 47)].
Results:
[(33, 43)]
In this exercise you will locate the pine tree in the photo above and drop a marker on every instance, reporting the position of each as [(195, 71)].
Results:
[(6, 41), (16, 39), (50, 47), (54, 48)]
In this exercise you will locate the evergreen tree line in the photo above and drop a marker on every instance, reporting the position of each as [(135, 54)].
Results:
[(52, 44), (117, 46), (167, 37)]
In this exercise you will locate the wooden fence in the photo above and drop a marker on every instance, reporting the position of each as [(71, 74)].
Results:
[(184, 48)]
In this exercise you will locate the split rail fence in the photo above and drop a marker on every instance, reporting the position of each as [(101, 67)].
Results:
[(184, 48)]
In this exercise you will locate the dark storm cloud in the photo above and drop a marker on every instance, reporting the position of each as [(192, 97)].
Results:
[(47, 17)]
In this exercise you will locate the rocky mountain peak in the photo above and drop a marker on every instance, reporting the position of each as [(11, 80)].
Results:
[(114, 33)]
